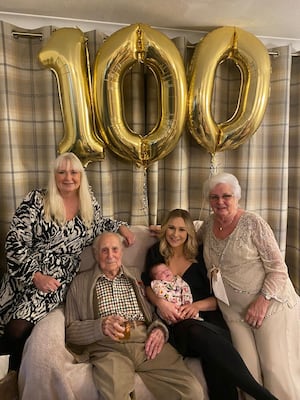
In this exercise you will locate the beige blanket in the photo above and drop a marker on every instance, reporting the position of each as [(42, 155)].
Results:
[(48, 370)]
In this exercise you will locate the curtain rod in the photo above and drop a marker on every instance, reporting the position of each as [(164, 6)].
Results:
[(32, 35), (270, 52), (38, 35)]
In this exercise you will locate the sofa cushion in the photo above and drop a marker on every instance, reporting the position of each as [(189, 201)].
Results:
[(133, 256)]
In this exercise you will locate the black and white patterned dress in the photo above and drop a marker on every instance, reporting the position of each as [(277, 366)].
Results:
[(33, 245)]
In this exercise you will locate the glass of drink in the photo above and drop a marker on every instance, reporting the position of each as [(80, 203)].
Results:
[(127, 330)]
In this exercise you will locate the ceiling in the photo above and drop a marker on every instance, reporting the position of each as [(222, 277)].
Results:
[(263, 18)]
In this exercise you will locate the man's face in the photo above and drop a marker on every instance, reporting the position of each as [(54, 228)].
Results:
[(110, 254)]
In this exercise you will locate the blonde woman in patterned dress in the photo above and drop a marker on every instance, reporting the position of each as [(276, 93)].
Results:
[(48, 232), (254, 291)]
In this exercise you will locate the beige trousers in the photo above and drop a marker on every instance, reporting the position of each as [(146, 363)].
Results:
[(115, 365), (272, 352)]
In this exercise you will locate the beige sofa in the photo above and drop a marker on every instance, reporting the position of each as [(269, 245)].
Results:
[(49, 372)]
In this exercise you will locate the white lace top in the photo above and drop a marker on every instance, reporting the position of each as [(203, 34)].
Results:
[(249, 258)]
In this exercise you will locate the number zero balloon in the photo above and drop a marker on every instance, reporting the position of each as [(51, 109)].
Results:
[(139, 43), (252, 58)]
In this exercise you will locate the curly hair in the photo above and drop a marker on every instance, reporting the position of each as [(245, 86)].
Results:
[(190, 249)]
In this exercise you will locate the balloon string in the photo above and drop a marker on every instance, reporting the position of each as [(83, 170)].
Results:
[(213, 170), (140, 197), (145, 193), (214, 164)]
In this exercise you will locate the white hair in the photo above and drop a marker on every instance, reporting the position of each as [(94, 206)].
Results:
[(99, 238), (222, 177)]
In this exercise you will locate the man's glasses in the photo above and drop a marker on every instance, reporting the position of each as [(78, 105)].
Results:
[(214, 197)]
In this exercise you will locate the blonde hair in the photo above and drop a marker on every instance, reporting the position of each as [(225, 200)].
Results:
[(190, 248), (53, 202)]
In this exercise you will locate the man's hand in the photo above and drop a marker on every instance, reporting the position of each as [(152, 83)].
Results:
[(112, 326), (45, 283), (154, 343)]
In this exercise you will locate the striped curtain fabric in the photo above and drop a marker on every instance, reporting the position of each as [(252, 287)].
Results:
[(267, 165)]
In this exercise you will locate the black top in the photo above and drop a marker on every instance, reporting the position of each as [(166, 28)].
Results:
[(195, 276)]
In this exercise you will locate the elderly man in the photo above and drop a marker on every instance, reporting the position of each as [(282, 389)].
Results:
[(98, 303)]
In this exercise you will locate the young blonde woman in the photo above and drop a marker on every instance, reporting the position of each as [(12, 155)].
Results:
[(209, 340), (48, 232)]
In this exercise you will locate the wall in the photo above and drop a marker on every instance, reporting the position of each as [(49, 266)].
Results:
[(33, 22)]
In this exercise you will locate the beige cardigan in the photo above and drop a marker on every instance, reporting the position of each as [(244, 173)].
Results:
[(82, 327), (249, 259)]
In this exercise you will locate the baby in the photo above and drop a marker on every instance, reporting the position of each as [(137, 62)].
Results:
[(170, 287)]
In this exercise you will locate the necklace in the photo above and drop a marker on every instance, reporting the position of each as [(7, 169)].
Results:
[(221, 227)]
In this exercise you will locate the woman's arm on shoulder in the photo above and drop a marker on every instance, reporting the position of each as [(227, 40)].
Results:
[(127, 234)]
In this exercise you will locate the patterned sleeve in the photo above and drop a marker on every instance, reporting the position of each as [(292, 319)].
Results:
[(271, 257), (101, 223), (186, 294), (22, 259), (160, 289)]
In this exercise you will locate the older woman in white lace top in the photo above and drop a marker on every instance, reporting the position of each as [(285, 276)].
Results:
[(255, 294)]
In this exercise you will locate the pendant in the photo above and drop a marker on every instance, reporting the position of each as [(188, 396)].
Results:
[(220, 228)]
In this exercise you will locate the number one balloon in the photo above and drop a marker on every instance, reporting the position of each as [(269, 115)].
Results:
[(66, 54)]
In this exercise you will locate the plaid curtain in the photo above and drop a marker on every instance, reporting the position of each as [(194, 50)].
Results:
[(267, 165)]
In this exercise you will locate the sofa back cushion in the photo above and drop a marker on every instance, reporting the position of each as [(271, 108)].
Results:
[(133, 256)]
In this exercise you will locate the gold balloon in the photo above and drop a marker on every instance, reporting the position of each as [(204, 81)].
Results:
[(253, 61), (139, 43), (66, 54)]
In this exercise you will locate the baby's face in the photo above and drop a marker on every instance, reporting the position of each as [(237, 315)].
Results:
[(162, 272)]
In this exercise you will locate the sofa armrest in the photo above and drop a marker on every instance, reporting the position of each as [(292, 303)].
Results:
[(48, 370)]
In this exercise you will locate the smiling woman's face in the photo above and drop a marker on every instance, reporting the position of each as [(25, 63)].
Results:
[(176, 233), (67, 178), (222, 200)]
